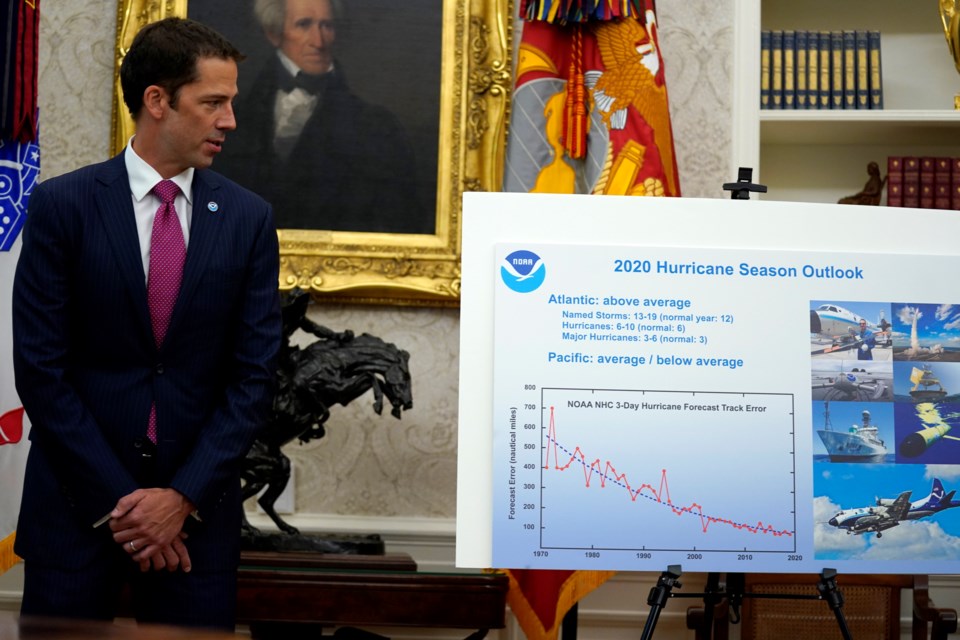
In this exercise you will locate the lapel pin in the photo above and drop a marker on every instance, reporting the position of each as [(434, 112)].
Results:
[(213, 206)]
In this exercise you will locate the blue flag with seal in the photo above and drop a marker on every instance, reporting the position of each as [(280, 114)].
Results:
[(19, 170)]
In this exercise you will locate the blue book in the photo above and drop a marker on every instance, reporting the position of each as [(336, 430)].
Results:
[(836, 69), (800, 63), (764, 69), (789, 70), (863, 70), (876, 74), (849, 70), (826, 69), (813, 70), (776, 70)]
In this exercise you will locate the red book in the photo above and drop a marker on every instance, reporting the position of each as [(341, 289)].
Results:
[(942, 183), (926, 182), (894, 181), (911, 182), (955, 180)]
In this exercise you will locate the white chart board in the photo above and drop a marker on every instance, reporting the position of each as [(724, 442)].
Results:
[(648, 382)]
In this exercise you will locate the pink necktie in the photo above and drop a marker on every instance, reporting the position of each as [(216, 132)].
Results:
[(167, 255)]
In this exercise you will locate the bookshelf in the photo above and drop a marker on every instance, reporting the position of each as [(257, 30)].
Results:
[(821, 156)]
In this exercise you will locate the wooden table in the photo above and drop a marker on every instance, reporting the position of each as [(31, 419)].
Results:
[(282, 595), (12, 627)]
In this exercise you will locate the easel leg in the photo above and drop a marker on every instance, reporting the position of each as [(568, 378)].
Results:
[(658, 597), (712, 597), (568, 628), (829, 592)]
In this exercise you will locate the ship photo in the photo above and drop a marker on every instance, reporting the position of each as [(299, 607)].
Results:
[(924, 382), (860, 443)]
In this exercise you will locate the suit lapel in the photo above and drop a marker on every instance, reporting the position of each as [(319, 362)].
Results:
[(204, 224), (115, 206)]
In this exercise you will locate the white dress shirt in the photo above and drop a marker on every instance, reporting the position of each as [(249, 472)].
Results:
[(143, 178)]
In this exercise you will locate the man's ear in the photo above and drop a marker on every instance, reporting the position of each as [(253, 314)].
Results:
[(275, 39), (155, 100)]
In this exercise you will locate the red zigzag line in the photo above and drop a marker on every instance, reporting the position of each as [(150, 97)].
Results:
[(609, 471)]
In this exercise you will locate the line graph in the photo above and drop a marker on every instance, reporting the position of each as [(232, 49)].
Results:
[(606, 472), (648, 475)]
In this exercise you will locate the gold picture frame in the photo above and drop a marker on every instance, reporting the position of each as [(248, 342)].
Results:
[(395, 268)]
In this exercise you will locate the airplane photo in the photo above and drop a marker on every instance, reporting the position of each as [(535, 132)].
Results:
[(873, 518), (854, 500), (887, 513), (851, 380), (835, 330)]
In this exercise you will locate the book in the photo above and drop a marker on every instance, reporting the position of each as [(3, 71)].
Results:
[(942, 183), (926, 182), (789, 69), (836, 69), (776, 70), (813, 70), (955, 180), (876, 75), (800, 65), (894, 181), (826, 77), (849, 70), (863, 70), (911, 182), (765, 69)]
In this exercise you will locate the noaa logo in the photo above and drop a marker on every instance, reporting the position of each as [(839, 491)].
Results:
[(523, 271)]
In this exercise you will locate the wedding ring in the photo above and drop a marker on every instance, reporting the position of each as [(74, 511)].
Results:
[(132, 548)]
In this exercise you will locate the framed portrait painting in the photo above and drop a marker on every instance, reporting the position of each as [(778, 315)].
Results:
[(399, 107)]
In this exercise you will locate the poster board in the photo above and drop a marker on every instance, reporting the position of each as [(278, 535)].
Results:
[(648, 382)]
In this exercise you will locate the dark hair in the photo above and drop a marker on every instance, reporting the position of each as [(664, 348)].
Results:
[(165, 53)]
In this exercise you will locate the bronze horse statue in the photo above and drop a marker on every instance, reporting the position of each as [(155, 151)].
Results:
[(335, 369)]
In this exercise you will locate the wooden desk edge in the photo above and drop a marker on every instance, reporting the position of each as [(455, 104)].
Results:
[(475, 601), (326, 561)]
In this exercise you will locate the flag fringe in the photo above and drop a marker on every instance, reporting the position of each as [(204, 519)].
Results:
[(573, 11), (579, 584), (7, 557)]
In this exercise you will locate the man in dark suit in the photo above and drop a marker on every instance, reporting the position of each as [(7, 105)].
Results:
[(324, 158), (144, 346)]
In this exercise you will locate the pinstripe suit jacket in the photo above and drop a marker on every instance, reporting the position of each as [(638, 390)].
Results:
[(87, 368)]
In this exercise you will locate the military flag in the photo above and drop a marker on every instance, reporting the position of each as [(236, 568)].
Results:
[(589, 112), (589, 115), (19, 33)]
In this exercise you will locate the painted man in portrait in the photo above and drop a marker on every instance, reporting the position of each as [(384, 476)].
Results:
[(321, 155)]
